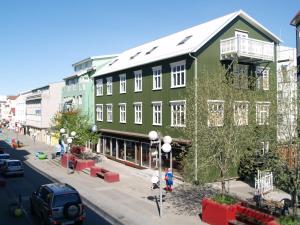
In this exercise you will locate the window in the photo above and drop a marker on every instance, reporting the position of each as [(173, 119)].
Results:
[(99, 112), (79, 99), (262, 78), (262, 113), (178, 113), (109, 86), (157, 78), (151, 50), (109, 115), (215, 113), (122, 107), (157, 113), (178, 74), (99, 87), (137, 80), (138, 112), (264, 147), (122, 83), (132, 57), (240, 113), (240, 76), (184, 40)]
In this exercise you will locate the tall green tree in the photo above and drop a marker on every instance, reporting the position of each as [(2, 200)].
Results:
[(225, 127), (75, 121)]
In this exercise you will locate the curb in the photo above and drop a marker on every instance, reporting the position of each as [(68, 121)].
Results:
[(90, 204)]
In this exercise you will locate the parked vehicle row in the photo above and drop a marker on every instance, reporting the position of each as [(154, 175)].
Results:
[(10, 167)]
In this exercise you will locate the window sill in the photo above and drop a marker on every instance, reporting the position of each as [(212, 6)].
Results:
[(178, 126), (181, 86), (138, 91), (156, 89), (138, 123), (158, 125)]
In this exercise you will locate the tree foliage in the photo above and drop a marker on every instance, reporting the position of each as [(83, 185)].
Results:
[(75, 121)]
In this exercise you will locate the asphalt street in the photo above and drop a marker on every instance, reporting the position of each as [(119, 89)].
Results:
[(24, 186)]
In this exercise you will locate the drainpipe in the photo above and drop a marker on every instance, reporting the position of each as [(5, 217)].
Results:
[(196, 114)]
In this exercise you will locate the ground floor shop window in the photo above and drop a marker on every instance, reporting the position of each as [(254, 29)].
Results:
[(130, 151), (114, 147), (107, 146), (145, 154), (121, 149)]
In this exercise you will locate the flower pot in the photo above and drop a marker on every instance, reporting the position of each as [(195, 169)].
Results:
[(215, 213)]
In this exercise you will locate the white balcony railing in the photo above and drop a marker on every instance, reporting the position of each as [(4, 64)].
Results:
[(247, 48)]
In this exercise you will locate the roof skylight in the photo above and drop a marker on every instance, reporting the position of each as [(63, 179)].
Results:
[(113, 62), (184, 40), (151, 50), (132, 57)]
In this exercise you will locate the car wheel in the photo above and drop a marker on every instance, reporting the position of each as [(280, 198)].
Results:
[(71, 210)]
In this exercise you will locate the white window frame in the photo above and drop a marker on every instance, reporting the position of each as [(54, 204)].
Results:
[(138, 81), (178, 121), (79, 99), (262, 119), (108, 119), (99, 87), (138, 114), (157, 77), (122, 83), (122, 120), (109, 86), (99, 113), (263, 81), (175, 74), (215, 102), (238, 113), (156, 112)]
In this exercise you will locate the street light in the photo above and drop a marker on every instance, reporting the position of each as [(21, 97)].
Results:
[(155, 139), (69, 142)]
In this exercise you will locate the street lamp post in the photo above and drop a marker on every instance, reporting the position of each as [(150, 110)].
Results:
[(69, 142), (166, 147)]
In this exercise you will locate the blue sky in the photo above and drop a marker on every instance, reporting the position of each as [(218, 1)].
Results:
[(41, 39)]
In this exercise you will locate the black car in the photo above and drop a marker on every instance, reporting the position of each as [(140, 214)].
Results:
[(57, 203)]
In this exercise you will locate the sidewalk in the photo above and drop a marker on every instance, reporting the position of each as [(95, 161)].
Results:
[(130, 201)]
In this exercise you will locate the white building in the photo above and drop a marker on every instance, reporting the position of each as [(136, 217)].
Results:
[(41, 106), (20, 117), (286, 93), (2, 105)]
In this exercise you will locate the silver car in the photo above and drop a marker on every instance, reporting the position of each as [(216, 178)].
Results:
[(3, 157), (12, 167), (57, 203)]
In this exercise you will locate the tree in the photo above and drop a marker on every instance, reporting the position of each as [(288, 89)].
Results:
[(226, 122), (75, 121)]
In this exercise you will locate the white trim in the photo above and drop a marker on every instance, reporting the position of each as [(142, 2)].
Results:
[(237, 112), (122, 104), (111, 113), (135, 112), (173, 65), (156, 68), (97, 118), (136, 78), (156, 103), (110, 80), (121, 77), (178, 102), (258, 115), (100, 87), (215, 102)]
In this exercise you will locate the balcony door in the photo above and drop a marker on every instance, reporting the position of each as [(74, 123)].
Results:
[(242, 41)]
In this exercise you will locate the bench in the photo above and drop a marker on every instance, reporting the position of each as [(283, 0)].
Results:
[(105, 174)]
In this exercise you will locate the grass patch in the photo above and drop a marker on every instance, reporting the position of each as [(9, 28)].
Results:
[(224, 199), (289, 220)]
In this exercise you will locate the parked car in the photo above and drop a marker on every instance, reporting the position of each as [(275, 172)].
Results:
[(12, 167), (3, 157), (57, 203)]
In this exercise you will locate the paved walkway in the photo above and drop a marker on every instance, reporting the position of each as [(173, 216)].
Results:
[(130, 201)]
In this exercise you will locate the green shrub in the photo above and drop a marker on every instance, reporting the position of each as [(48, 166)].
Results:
[(289, 220), (224, 199)]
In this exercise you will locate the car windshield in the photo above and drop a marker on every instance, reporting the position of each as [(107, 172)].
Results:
[(14, 163), (4, 156), (61, 200)]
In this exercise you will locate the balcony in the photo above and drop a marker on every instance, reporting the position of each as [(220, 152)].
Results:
[(246, 49)]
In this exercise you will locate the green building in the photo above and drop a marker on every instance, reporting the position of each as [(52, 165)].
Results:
[(78, 92), (144, 88)]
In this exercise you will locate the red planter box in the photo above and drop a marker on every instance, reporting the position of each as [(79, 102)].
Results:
[(82, 164), (65, 158), (94, 170), (217, 214), (111, 177)]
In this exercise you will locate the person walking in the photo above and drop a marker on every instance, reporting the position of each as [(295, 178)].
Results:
[(169, 179)]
